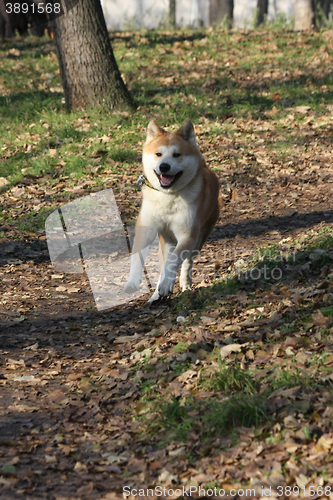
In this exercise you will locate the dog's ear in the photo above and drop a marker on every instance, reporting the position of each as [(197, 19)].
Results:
[(153, 131), (187, 131)]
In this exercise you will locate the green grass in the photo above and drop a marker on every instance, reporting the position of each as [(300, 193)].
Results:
[(230, 379), (181, 367), (288, 377), (201, 298), (327, 311), (181, 347), (268, 265), (33, 222), (148, 390), (207, 418), (238, 411), (159, 69), (244, 403), (171, 76)]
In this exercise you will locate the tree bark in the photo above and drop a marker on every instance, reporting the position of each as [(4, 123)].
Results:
[(89, 72), (172, 14), (221, 10), (262, 10), (304, 15)]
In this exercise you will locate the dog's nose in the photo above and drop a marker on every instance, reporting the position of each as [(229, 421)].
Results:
[(164, 168)]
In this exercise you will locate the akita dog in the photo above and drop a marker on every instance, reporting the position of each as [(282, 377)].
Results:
[(179, 203)]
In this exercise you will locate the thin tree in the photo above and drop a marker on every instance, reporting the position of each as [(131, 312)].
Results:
[(262, 10), (221, 11), (172, 14), (322, 10), (89, 72)]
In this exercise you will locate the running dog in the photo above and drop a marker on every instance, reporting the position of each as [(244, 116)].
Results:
[(179, 203)]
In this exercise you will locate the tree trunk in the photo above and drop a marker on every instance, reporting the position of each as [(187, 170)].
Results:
[(221, 10), (262, 10), (326, 6), (321, 10), (172, 14), (304, 15), (88, 69), (13, 18)]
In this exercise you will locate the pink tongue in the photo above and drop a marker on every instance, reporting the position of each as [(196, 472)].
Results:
[(167, 179)]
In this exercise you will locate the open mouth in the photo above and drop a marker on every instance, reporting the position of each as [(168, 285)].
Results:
[(166, 181)]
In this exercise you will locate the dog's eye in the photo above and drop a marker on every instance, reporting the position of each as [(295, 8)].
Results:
[(158, 154), (176, 155)]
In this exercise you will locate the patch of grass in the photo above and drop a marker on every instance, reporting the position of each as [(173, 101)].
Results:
[(201, 298), (181, 367), (245, 404), (173, 417), (33, 222), (268, 265), (272, 257), (327, 311), (287, 327), (288, 377), (324, 241), (148, 390), (229, 379), (209, 418), (181, 347), (319, 360), (280, 23), (240, 410), (124, 155)]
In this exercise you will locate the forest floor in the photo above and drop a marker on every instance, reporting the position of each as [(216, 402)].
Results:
[(225, 391)]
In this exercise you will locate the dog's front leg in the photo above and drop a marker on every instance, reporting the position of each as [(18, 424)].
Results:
[(135, 275), (166, 249), (144, 236), (182, 252)]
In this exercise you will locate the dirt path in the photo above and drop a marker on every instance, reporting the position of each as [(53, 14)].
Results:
[(72, 377)]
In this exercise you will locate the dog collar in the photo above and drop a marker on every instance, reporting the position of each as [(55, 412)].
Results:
[(142, 180)]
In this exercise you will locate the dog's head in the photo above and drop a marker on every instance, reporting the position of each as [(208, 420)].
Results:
[(170, 159)]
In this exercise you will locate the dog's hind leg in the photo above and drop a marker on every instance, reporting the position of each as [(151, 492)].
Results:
[(185, 279)]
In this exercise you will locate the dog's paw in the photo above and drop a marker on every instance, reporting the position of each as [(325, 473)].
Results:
[(185, 286), (165, 288), (154, 298), (131, 287)]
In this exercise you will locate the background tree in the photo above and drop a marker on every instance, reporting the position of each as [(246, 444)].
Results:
[(221, 10), (262, 10), (89, 72), (172, 14), (322, 10), (11, 21), (304, 15)]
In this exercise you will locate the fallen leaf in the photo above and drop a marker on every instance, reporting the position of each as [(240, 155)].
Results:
[(228, 349), (3, 182)]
